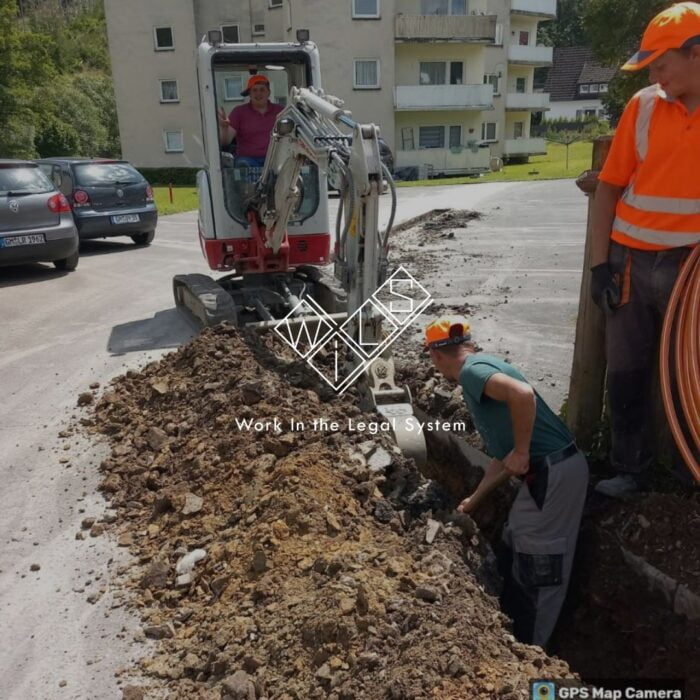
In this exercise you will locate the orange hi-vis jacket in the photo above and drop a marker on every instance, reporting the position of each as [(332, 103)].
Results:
[(655, 156)]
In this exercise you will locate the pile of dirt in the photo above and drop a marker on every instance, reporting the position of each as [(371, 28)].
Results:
[(324, 571), (636, 616)]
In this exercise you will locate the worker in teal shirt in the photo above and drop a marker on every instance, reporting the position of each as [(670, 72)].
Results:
[(527, 440)]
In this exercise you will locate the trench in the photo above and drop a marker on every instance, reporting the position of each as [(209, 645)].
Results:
[(623, 618)]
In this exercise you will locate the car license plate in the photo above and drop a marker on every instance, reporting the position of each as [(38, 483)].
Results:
[(126, 219), (28, 239)]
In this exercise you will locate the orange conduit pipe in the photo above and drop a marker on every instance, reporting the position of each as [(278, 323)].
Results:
[(680, 374)]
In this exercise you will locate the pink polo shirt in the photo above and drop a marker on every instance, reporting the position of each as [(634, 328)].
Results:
[(253, 128)]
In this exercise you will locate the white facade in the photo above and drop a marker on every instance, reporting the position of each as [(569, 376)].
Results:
[(575, 109), (449, 90)]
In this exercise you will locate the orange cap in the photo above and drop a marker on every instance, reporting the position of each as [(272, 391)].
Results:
[(677, 27), (450, 330), (254, 80)]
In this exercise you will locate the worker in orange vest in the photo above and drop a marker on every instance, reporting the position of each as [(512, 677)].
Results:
[(646, 219)]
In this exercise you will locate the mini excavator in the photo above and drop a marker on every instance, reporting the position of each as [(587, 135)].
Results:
[(268, 229)]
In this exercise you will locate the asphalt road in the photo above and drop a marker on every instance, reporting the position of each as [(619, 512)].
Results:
[(63, 331)]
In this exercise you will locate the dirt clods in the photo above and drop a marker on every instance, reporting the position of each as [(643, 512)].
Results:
[(324, 574)]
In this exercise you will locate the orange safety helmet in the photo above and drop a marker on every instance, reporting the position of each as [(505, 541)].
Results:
[(449, 330), (254, 80), (677, 27)]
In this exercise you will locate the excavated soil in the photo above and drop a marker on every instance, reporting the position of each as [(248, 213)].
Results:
[(327, 570), (619, 622)]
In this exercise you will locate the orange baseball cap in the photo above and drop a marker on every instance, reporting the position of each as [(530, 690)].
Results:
[(450, 330), (677, 27), (254, 80)]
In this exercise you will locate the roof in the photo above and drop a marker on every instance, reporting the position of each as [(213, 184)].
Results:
[(6, 162), (571, 66), (77, 159)]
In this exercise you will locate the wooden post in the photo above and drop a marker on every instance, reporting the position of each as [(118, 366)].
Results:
[(586, 389)]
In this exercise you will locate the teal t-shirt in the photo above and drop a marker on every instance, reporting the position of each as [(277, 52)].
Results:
[(492, 418)]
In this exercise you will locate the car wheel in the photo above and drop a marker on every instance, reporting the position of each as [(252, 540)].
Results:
[(69, 263), (143, 238)]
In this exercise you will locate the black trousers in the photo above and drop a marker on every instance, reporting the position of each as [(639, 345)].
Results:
[(632, 343)]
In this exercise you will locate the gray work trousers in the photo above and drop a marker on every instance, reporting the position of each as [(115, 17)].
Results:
[(632, 342), (539, 547)]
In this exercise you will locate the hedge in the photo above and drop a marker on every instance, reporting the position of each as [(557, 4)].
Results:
[(162, 177)]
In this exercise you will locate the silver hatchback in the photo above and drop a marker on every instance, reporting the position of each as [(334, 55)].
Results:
[(36, 222)]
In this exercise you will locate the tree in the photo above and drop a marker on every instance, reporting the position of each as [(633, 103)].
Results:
[(23, 63), (567, 29), (615, 29)]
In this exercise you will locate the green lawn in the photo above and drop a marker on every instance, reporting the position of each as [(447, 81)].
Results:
[(549, 167), (184, 199)]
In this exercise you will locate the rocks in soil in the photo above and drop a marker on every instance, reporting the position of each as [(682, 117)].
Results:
[(317, 581)]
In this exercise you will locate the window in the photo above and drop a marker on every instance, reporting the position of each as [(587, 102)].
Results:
[(432, 72), (164, 38), (456, 73), (520, 85), (594, 89), (363, 9), (589, 113), (524, 38), (258, 29), (407, 142), (603, 87), (229, 34), (488, 131), (173, 142), (168, 91), (518, 130), (584, 89), (431, 137), (275, 3), (366, 73), (579, 114), (455, 136), (493, 80), (443, 7), (233, 87)]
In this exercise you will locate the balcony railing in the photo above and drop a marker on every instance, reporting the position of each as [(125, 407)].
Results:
[(443, 97), (464, 160), (530, 55), (524, 147), (457, 28), (527, 100), (535, 8)]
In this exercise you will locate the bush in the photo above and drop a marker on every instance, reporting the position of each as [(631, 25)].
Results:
[(162, 177)]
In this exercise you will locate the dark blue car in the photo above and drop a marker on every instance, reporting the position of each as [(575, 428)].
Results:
[(108, 197)]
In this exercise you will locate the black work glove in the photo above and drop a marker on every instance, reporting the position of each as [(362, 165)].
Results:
[(604, 288)]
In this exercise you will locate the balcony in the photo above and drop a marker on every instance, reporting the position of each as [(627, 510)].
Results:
[(524, 147), (523, 101), (530, 55), (450, 28), (535, 8), (443, 97), (433, 162)]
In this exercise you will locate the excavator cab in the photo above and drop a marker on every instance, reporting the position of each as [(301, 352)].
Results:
[(226, 188)]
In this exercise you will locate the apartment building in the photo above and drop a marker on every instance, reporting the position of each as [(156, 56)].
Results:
[(449, 82)]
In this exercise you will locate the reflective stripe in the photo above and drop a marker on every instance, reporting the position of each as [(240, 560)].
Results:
[(647, 102), (650, 235), (663, 205)]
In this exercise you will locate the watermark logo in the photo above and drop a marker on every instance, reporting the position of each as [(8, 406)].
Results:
[(325, 346)]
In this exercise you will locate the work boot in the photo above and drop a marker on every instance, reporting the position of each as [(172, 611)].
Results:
[(621, 486)]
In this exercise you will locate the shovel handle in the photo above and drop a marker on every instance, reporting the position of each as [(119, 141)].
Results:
[(485, 487)]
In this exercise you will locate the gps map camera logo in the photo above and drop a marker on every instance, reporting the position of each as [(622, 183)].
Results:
[(324, 345)]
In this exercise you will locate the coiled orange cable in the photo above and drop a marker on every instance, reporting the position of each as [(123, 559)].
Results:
[(682, 331)]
